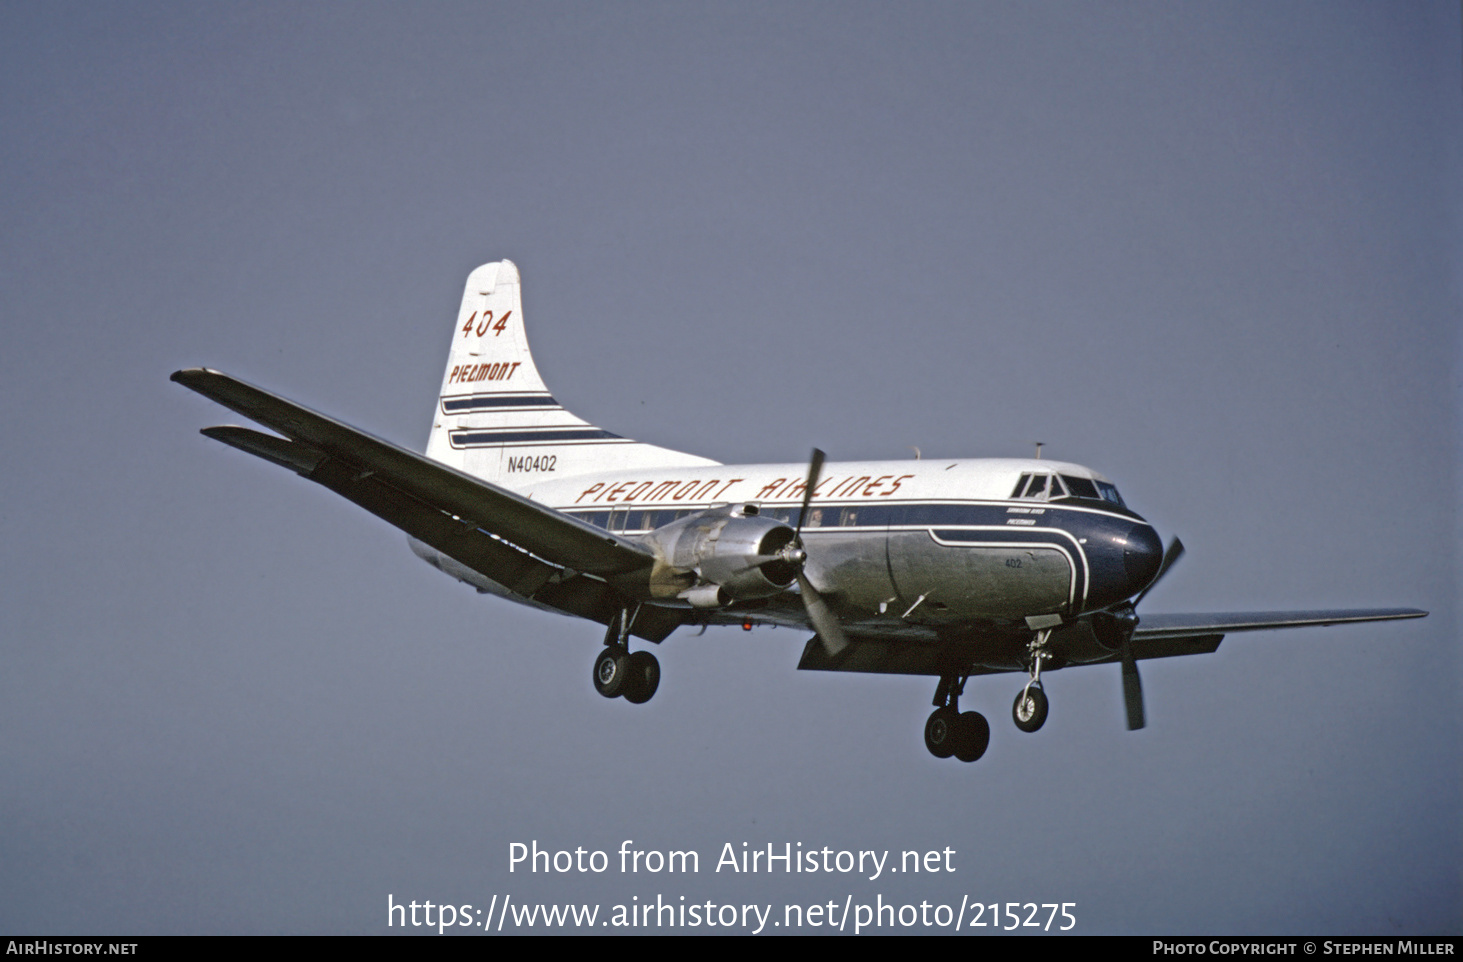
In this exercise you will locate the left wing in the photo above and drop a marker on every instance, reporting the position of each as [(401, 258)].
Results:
[(1162, 627), (1157, 636), (1165, 636), (531, 549)]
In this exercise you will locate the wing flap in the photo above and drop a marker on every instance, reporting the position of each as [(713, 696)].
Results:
[(889, 656), (346, 452), (1146, 648)]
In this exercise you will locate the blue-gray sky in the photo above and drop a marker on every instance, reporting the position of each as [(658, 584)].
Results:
[(1211, 250)]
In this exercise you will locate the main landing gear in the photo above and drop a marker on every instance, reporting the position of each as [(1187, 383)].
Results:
[(952, 732), (621, 672)]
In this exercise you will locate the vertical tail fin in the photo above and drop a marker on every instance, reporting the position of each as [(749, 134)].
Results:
[(495, 417)]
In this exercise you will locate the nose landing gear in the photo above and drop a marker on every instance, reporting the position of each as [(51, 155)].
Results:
[(1029, 711), (1030, 708)]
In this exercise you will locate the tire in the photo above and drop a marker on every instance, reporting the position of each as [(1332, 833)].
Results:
[(642, 678), (941, 732), (1030, 708), (972, 736), (611, 672)]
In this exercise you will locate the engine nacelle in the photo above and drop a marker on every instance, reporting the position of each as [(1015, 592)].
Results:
[(712, 558), (1112, 628), (1092, 638)]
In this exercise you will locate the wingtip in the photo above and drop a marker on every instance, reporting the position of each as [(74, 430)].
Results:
[(194, 377)]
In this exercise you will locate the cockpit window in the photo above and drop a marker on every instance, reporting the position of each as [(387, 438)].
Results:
[(1109, 493), (1038, 486), (1080, 487), (1050, 487), (1032, 486)]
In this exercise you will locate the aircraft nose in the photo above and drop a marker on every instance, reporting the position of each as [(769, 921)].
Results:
[(1142, 556)]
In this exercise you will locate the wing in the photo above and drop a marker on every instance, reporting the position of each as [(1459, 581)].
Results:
[(532, 550), (1165, 636), (1157, 636), (1167, 627)]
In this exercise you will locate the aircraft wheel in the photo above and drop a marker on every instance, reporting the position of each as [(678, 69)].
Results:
[(611, 672), (642, 678), (972, 737), (1029, 710), (940, 732)]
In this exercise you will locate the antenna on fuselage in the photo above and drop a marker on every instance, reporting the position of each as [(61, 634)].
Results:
[(1039, 445), (915, 450)]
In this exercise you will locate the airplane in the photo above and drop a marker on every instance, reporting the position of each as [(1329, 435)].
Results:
[(948, 568)]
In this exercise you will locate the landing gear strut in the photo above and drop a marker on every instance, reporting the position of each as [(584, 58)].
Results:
[(948, 731), (1030, 708), (618, 671)]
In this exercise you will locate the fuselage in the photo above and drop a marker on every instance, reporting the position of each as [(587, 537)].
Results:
[(984, 542)]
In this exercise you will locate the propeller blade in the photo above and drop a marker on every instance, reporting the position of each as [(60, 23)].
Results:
[(815, 468), (830, 632), (1171, 554), (1132, 690), (825, 623)]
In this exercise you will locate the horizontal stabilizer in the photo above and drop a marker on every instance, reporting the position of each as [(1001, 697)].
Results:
[(286, 454)]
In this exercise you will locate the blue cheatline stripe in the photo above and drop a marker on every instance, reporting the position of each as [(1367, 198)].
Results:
[(864, 516), (460, 403), (468, 439)]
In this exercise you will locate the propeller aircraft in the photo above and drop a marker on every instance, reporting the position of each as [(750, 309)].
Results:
[(948, 568)]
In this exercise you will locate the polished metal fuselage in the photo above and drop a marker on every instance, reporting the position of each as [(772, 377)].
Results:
[(902, 545)]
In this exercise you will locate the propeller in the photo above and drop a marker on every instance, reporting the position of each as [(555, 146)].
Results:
[(825, 623), (815, 469), (1132, 683), (830, 632)]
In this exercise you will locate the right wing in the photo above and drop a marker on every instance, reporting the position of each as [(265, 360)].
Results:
[(531, 549)]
